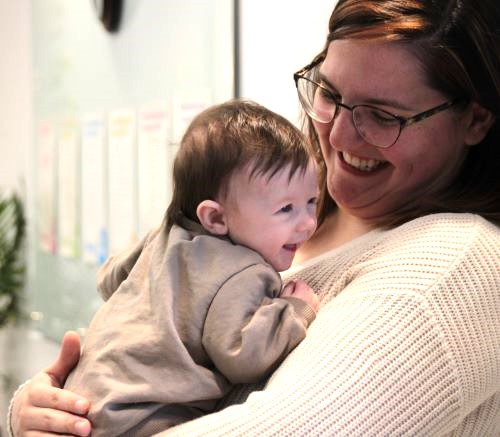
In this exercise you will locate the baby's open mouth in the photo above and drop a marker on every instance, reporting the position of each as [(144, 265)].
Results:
[(291, 247)]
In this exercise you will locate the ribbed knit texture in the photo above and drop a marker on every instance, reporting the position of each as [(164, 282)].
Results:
[(407, 341)]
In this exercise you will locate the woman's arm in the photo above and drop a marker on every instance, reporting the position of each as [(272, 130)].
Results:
[(42, 407), (370, 365), (406, 348)]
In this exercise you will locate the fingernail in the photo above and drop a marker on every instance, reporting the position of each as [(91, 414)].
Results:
[(81, 406), (82, 427)]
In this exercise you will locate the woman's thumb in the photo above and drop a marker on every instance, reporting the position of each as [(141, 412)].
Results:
[(67, 359)]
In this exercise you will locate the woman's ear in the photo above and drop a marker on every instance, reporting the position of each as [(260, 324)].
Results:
[(212, 217), (479, 122)]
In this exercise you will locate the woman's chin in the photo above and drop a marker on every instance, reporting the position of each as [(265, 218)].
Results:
[(363, 206)]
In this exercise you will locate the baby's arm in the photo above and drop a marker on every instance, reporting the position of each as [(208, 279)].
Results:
[(117, 267), (249, 330)]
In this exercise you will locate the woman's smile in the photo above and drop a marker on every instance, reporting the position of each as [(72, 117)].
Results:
[(371, 181), (356, 182), (365, 166)]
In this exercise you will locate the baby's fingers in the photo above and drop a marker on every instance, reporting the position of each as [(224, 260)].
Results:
[(288, 289)]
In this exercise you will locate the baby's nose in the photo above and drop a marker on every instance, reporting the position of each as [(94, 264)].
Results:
[(307, 223)]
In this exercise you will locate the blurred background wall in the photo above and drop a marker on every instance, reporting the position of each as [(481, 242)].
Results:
[(57, 62)]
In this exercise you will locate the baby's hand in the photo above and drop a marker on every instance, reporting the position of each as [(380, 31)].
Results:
[(301, 290)]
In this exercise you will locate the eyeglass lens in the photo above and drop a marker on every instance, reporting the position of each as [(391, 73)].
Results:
[(377, 127)]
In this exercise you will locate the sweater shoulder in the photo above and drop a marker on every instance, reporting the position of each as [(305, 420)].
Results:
[(441, 243), (413, 257), (433, 249), (449, 225)]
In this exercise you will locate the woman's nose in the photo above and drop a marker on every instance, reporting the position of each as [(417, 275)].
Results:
[(342, 130)]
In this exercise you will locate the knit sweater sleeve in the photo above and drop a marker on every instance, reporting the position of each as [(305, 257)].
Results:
[(405, 348), (340, 381), (248, 330)]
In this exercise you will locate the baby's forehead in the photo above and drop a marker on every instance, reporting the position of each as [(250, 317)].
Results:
[(258, 173), (262, 180)]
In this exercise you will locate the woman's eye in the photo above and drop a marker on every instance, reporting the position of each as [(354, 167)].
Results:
[(286, 208), (381, 117), (326, 95)]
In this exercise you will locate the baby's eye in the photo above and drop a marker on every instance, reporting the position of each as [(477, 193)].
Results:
[(313, 201), (286, 208)]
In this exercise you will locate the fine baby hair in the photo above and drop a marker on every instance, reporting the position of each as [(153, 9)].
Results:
[(227, 137)]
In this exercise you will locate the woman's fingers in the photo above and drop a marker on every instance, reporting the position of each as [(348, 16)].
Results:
[(41, 395), (42, 408), (45, 422), (48, 410)]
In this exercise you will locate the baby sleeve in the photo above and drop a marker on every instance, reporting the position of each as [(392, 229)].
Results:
[(248, 329), (117, 267)]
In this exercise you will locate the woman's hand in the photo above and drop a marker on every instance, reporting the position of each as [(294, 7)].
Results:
[(43, 408)]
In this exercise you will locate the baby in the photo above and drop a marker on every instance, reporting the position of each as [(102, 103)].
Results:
[(198, 305)]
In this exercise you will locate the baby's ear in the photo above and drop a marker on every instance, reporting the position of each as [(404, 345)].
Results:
[(212, 217)]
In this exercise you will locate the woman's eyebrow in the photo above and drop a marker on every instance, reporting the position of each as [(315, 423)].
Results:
[(371, 100), (323, 79)]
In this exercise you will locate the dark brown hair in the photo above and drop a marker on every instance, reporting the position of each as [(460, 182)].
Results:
[(458, 45), (227, 137)]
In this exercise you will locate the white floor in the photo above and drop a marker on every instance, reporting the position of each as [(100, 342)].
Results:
[(23, 352)]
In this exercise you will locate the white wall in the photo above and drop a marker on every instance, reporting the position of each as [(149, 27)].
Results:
[(278, 37), (15, 141), (15, 92)]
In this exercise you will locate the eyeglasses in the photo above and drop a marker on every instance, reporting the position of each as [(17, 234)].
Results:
[(376, 126)]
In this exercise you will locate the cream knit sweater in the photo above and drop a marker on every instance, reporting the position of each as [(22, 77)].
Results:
[(407, 341)]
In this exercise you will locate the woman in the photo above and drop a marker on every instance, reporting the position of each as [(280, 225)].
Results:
[(403, 107)]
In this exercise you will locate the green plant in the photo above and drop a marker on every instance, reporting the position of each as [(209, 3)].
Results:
[(12, 230)]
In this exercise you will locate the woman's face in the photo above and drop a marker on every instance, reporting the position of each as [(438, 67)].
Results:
[(427, 154)]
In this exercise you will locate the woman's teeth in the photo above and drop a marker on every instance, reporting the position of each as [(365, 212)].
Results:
[(360, 163)]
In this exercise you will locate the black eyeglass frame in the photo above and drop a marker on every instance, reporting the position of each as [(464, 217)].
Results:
[(403, 121)]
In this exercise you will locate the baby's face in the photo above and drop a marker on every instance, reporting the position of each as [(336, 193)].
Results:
[(273, 217)]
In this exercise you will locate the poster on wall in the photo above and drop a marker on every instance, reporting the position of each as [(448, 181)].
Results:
[(121, 157), (186, 106), (154, 186), (46, 218), (94, 228), (68, 200)]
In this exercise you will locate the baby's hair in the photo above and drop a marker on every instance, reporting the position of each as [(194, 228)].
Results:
[(227, 137)]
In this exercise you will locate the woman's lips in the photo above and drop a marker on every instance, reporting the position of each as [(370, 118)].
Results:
[(361, 166)]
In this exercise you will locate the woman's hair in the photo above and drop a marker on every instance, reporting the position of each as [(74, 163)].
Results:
[(458, 45), (225, 138)]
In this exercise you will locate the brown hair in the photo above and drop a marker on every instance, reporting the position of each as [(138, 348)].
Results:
[(227, 137), (458, 45)]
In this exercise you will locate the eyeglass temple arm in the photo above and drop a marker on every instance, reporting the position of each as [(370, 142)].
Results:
[(426, 114), (317, 60)]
